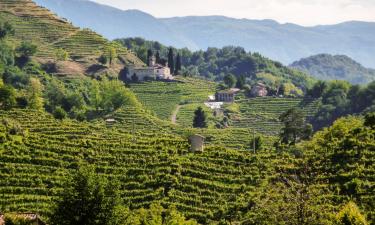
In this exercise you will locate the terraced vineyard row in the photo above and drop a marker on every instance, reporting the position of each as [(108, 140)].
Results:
[(162, 98), (150, 167), (37, 24), (262, 114)]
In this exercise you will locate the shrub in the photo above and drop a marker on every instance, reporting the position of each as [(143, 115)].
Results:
[(59, 113), (350, 215)]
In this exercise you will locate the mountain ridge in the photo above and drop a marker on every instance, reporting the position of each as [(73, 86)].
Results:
[(282, 42)]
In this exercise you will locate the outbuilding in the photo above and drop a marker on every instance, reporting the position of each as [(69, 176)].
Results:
[(197, 143)]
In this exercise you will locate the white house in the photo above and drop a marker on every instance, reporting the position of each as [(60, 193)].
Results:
[(154, 71)]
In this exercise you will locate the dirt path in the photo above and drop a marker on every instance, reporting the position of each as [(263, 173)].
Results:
[(174, 114)]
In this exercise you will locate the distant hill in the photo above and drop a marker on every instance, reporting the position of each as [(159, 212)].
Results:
[(335, 67), (283, 42), (51, 33)]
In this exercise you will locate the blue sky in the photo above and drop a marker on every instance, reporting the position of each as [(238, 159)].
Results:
[(303, 12)]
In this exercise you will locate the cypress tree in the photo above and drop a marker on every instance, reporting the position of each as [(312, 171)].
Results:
[(157, 56), (171, 60), (149, 55), (199, 118), (178, 64)]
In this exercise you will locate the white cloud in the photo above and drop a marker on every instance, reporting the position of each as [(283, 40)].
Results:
[(304, 12)]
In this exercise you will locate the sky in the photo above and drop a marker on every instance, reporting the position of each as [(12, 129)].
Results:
[(302, 12)]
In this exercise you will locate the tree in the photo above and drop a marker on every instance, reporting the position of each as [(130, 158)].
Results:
[(149, 55), (370, 120), (25, 51), (88, 199), (171, 59), (7, 97), (178, 64), (59, 113), (230, 80), (241, 81), (295, 127), (111, 54), (103, 59), (5, 30), (199, 118), (61, 54), (34, 94), (258, 143), (157, 56), (350, 215)]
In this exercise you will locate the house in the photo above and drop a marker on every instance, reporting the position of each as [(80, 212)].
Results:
[(226, 95), (197, 143), (154, 71), (259, 90)]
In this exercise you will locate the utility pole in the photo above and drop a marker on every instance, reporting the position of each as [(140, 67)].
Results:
[(133, 130), (254, 141)]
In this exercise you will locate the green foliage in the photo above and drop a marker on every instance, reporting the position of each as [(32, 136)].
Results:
[(339, 98), (171, 60), (370, 120), (337, 67), (7, 97), (256, 143), (230, 80), (215, 63), (295, 127), (61, 54), (59, 113), (350, 215), (5, 29), (88, 198), (26, 49), (199, 118), (13, 219), (6, 55)]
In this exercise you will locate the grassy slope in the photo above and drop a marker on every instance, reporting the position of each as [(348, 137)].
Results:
[(36, 24)]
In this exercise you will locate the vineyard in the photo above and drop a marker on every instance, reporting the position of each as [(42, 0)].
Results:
[(150, 167), (262, 114), (49, 33), (162, 98)]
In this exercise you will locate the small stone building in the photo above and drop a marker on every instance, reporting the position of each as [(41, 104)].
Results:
[(197, 143), (226, 95), (259, 90)]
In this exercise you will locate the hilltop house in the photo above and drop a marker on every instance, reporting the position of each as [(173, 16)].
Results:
[(226, 95), (259, 90), (153, 71)]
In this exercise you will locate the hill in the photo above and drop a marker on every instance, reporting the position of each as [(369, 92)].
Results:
[(50, 33), (355, 39), (215, 64), (335, 67)]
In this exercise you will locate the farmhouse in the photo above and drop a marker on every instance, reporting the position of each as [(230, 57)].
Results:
[(259, 90), (226, 95), (154, 71)]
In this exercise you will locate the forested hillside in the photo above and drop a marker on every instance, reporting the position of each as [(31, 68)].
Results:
[(335, 67), (215, 64)]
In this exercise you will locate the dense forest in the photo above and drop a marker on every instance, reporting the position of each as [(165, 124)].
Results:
[(216, 64)]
